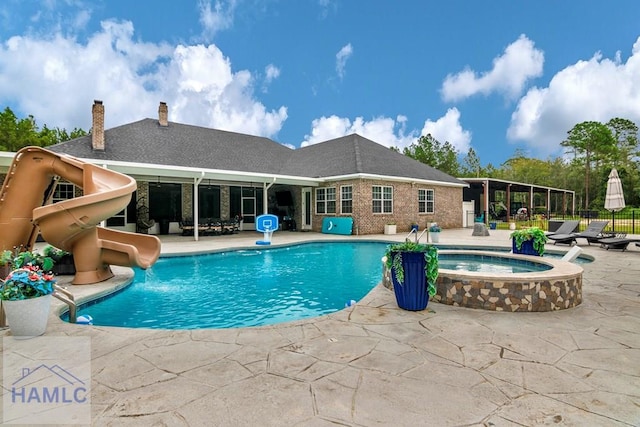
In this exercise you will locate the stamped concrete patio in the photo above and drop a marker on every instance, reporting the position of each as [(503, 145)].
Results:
[(374, 364)]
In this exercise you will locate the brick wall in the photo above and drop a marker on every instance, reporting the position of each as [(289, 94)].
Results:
[(447, 211)]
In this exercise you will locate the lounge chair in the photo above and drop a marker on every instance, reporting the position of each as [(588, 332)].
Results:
[(593, 234), (617, 242), (567, 227)]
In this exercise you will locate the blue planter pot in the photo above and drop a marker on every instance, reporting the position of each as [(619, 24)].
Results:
[(525, 249), (412, 294)]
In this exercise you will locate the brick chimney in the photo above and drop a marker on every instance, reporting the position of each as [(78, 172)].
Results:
[(163, 114), (97, 128)]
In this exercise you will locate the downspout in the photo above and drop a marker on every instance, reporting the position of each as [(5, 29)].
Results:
[(265, 198), (196, 216), (486, 202)]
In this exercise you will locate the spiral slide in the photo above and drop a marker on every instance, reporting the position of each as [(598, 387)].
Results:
[(72, 224)]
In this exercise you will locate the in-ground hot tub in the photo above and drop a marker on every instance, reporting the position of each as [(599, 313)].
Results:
[(557, 288)]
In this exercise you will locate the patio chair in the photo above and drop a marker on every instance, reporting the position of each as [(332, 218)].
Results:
[(593, 234), (618, 242), (567, 227)]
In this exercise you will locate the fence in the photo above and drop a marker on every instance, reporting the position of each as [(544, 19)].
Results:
[(619, 222)]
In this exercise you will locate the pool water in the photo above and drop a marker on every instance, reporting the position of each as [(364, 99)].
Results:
[(244, 288), (488, 264)]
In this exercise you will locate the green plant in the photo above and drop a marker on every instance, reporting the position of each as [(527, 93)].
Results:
[(27, 258), (54, 253), (26, 283), (434, 228), (531, 233), (6, 257), (394, 261)]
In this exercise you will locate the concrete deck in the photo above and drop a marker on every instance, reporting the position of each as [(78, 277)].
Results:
[(374, 364)]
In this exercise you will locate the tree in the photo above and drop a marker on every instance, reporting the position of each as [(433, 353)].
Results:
[(471, 164), (627, 157), (590, 142), (18, 133), (430, 151)]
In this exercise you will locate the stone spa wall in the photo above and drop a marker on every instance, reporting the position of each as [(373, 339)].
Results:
[(556, 289)]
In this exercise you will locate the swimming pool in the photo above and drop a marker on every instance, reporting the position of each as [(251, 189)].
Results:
[(242, 288), (261, 286)]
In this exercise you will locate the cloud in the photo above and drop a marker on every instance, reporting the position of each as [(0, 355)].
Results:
[(597, 89), (271, 72), (448, 128), (341, 59), (391, 132), (383, 130), (520, 63), (57, 78), (216, 19), (326, 6)]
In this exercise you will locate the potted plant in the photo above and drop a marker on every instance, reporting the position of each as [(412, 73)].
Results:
[(6, 260), (415, 226), (434, 231), (26, 297), (414, 271), (26, 258), (390, 228), (529, 241), (63, 263)]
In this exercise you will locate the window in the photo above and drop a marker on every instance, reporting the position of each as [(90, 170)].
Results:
[(325, 200), (165, 202), (382, 199), (118, 220), (425, 201), (346, 199), (64, 191)]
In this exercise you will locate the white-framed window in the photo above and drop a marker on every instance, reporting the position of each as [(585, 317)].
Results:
[(426, 201), (64, 191), (326, 200), (118, 220), (382, 196), (346, 199)]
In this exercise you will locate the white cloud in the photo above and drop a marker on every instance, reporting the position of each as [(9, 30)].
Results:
[(383, 130), (218, 18), (341, 59), (520, 63), (448, 128), (391, 132), (57, 78), (271, 72), (598, 89)]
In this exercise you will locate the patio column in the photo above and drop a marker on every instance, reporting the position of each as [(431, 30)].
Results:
[(196, 206), (508, 202)]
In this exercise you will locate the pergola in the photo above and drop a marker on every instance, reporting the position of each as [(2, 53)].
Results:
[(482, 191)]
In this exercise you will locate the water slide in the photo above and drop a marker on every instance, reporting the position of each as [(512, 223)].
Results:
[(72, 224)]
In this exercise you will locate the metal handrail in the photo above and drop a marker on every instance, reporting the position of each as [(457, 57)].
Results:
[(67, 297), (417, 238)]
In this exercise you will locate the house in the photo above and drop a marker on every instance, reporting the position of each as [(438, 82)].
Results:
[(189, 173)]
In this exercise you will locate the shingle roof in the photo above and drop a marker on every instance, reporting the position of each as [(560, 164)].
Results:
[(353, 154), (178, 144)]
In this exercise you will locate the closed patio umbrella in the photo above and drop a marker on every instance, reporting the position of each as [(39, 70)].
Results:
[(614, 200)]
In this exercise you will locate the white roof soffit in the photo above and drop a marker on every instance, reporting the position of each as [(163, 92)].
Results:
[(480, 180), (187, 173), (394, 179)]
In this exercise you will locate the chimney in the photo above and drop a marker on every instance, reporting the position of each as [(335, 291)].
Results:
[(97, 132), (163, 114)]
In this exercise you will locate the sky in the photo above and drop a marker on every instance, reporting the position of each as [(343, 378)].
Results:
[(501, 76)]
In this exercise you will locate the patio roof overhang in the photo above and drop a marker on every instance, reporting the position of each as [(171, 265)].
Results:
[(182, 174)]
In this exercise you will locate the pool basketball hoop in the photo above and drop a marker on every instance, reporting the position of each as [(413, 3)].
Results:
[(266, 224)]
